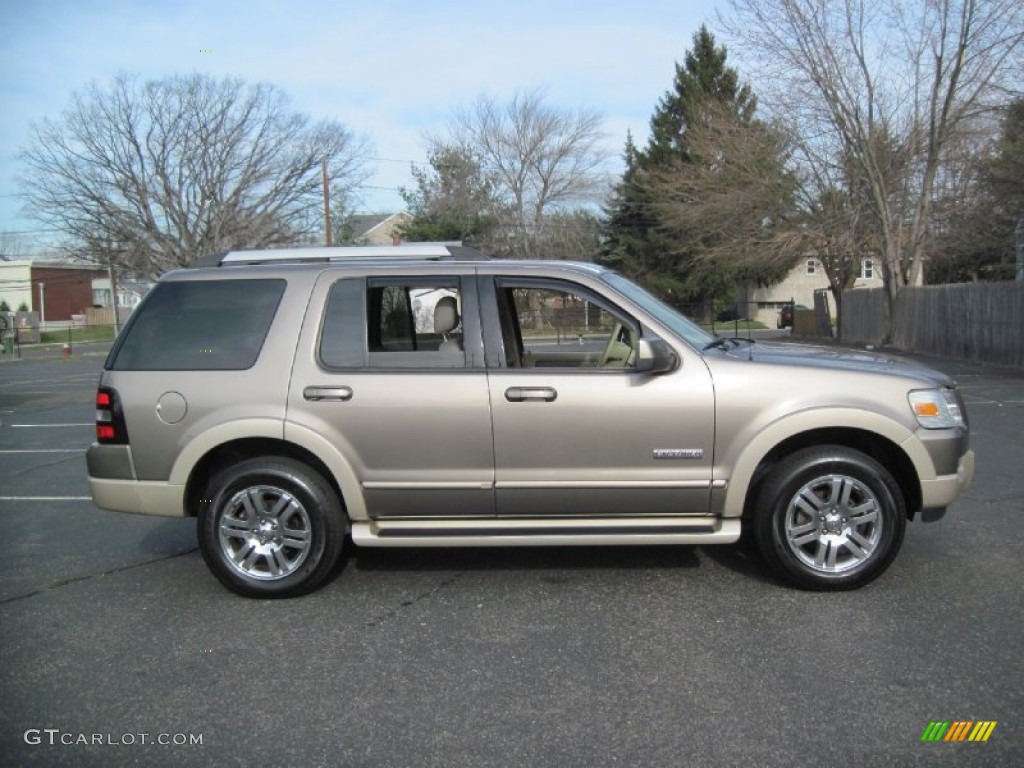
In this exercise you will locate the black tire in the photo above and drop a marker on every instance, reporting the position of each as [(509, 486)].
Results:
[(829, 518), (271, 527)]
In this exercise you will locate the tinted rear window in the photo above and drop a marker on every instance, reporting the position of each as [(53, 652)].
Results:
[(212, 325)]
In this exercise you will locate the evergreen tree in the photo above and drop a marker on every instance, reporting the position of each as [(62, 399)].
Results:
[(639, 239), (976, 229), (702, 77), (629, 223), (453, 200)]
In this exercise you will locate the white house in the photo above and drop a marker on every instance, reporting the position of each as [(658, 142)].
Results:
[(763, 303), (129, 292), (377, 228)]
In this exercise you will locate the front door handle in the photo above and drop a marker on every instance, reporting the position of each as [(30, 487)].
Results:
[(327, 393), (531, 394)]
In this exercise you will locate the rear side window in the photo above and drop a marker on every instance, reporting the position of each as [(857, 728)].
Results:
[(208, 325), (413, 322)]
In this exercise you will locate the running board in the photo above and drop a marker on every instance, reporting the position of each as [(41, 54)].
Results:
[(534, 532)]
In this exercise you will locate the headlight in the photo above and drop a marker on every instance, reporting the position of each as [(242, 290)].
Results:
[(936, 408)]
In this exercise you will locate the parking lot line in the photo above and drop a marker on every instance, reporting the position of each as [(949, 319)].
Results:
[(45, 498), (44, 450), (85, 424), (18, 382)]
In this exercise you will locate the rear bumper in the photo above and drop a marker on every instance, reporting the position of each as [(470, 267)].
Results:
[(138, 497), (113, 485)]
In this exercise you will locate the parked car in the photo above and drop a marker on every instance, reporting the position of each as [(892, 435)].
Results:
[(300, 403), (786, 314)]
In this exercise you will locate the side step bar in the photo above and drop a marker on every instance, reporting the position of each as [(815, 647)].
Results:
[(534, 532)]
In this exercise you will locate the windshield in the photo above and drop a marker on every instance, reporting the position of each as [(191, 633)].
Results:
[(659, 310)]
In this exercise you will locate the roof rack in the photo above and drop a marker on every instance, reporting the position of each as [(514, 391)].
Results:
[(455, 251)]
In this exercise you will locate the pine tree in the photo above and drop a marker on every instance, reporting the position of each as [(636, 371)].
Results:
[(629, 224), (976, 227), (637, 240), (702, 77)]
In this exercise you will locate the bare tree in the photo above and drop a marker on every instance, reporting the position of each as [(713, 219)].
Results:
[(151, 175), (880, 88), (834, 214), (731, 195), (12, 245), (540, 159)]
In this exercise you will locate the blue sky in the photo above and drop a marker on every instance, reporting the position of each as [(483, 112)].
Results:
[(390, 69)]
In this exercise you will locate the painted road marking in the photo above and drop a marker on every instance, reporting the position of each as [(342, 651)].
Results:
[(45, 450), (45, 498), (85, 424)]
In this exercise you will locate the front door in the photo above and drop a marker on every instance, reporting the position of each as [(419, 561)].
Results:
[(577, 430)]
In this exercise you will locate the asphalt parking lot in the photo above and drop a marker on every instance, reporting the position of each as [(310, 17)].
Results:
[(117, 647)]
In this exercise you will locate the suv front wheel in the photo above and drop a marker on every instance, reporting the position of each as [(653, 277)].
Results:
[(829, 518), (271, 527)]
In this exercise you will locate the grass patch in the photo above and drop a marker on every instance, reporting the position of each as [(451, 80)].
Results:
[(88, 333), (742, 325)]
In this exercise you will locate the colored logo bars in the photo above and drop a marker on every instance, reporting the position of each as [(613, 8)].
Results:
[(958, 730)]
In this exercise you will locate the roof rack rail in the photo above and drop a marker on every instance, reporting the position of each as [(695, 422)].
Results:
[(454, 251)]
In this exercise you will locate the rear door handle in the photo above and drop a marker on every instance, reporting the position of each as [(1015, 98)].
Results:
[(327, 393), (531, 394)]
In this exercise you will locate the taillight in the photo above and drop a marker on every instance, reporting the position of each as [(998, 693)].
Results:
[(110, 426)]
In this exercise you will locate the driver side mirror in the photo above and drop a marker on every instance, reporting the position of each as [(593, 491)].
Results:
[(655, 356)]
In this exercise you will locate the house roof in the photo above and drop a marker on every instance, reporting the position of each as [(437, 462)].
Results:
[(48, 264), (364, 223)]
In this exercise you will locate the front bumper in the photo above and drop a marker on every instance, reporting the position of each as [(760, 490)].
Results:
[(943, 490)]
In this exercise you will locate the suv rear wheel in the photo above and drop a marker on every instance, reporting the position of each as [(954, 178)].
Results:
[(271, 527), (829, 518)]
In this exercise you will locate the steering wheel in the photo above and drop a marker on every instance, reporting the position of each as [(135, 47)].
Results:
[(610, 346)]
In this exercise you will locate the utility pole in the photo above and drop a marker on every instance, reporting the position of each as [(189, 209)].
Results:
[(113, 295), (327, 207), (42, 306), (1019, 232)]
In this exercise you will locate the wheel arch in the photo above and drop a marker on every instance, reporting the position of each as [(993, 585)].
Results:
[(884, 449), (241, 449)]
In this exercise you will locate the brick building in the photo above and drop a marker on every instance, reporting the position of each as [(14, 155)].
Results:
[(56, 291)]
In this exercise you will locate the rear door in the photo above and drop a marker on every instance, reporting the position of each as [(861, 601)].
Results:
[(577, 430), (384, 374)]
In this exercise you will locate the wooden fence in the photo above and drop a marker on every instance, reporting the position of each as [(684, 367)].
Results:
[(969, 321), (105, 315)]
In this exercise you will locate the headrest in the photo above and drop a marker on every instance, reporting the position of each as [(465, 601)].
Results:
[(446, 315)]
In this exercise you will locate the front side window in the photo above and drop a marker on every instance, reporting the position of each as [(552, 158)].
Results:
[(199, 325), (867, 269), (562, 326), (812, 266), (671, 318)]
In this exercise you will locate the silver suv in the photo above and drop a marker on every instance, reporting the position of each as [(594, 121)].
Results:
[(417, 396)]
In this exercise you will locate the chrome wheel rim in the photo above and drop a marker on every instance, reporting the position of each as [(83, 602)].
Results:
[(833, 524), (264, 533)]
